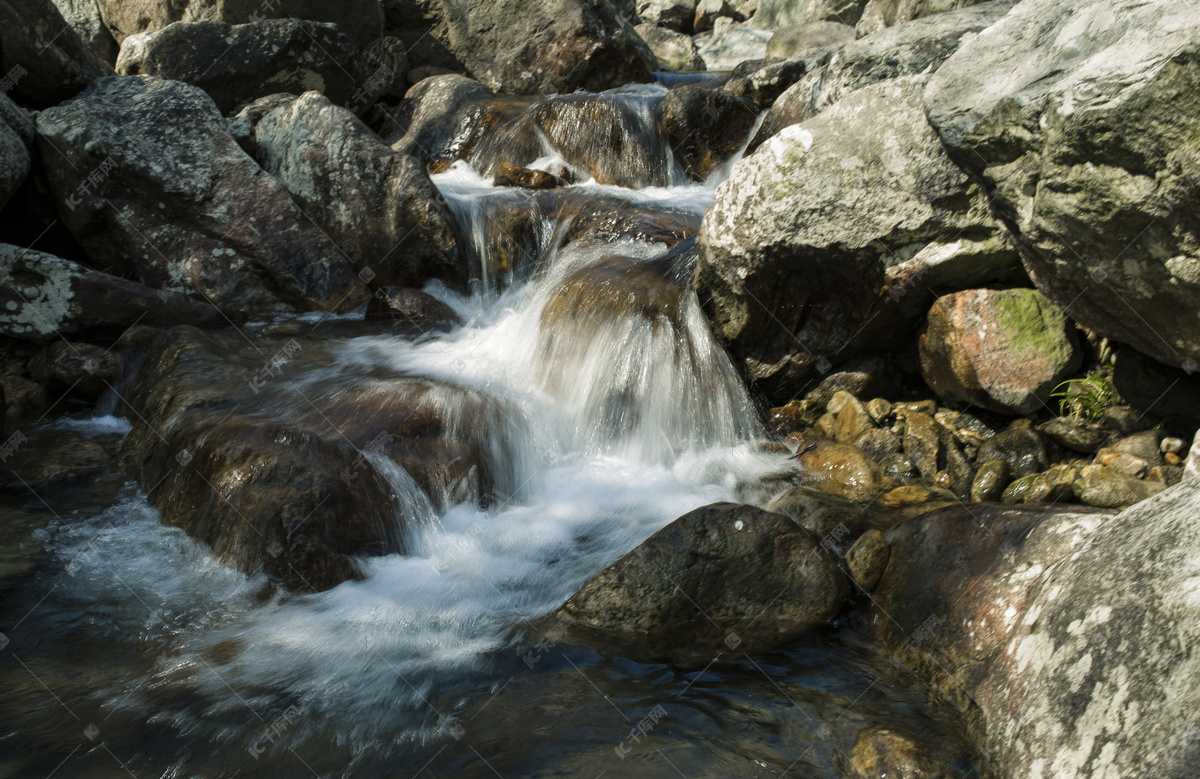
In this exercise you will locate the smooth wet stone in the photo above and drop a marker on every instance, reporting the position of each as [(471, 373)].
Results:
[(882, 753), (880, 409), (990, 481), (1127, 464), (1018, 491), (509, 175), (1076, 435), (49, 460), (412, 307), (851, 418), (1102, 486), (79, 368), (1056, 485), (867, 559), (794, 415), (908, 495), (828, 517), (705, 127), (1021, 446), (443, 118), (897, 466), (922, 442), (966, 428), (1146, 446), (840, 469), (1003, 350), (878, 444), (724, 577), (607, 291)]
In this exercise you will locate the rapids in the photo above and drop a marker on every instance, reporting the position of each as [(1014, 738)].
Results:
[(143, 653)]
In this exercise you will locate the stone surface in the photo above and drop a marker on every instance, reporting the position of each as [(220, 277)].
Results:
[(44, 297), (727, 46), (1021, 446), (179, 206), (15, 159), (839, 469), (1059, 633), (1099, 485), (714, 572), (867, 559), (1081, 118), (881, 753), (377, 205), (805, 38), (990, 481), (444, 117), (673, 50), (1003, 350), (46, 58), (412, 307), (48, 460), (1076, 435), (82, 369), (362, 20), (236, 64), (704, 127), (527, 46), (879, 14), (787, 13), (672, 14), (793, 249), (84, 18)]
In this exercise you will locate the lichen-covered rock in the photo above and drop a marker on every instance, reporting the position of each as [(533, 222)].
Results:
[(1004, 350), (179, 206), (44, 297), (84, 17), (362, 20), (721, 577), (793, 249), (1081, 120), (237, 64), (44, 56), (1059, 633), (376, 204), (705, 127), (673, 50), (528, 46)]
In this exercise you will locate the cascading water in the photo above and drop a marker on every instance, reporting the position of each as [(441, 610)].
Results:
[(586, 366)]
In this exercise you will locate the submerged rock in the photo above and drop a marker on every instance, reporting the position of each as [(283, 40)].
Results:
[(723, 577), (882, 753), (1081, 120), (180, 206), (1069, 618), (1004, 350)]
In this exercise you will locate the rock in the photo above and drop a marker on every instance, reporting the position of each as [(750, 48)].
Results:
[(508, 175), (1056, 485), (242, 125), (673, 50), (447, 117), (1101, 486), (966, 428), (1004, 350), (84, 18), (1155, 389), (1004, 622), (24, 400), (362, 20), (1095, 108), (880, 409), (44, 56), (788, 13), (898, 467), (959, 472), (860, 377), (1169, 475), (48, 459), (910, 495), (840, 469), (728, 46), (421, 25), (805, 38), (180, 206), (1146, 446), (990, 482), (794, 415), (241, 63), (1172, 445), (716, 573), (881, 753), (867, 559), (1021, 446), (1126, 464), (919, 47), (413, 307), (524, 46), (44, 298), (878, 444), (377, 205), (1124, 420), (675, 15), (922, 443), (82, 369), (796, 272), (704, 127), (1078, 436), (879, 14), (834, 521), (763, 81), (709, 11), (14, 154)]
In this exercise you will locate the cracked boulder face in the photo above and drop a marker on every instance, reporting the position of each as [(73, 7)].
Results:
[(1066, 637), (1081, 118), (151, 183), (794, 249)]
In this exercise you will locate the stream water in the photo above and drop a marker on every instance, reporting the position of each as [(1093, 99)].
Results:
[(129, 649)]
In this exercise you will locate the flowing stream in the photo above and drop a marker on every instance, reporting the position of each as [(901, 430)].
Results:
[(133, 650)]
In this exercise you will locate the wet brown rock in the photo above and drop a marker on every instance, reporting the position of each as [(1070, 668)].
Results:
[(81, 369), (878, 444), (48, 459), (1056, 485), (509, 175), (909, 495), (1018, 491), (990, 481), (852, 420), (412, 307), (881, 753), (832, 520), (867, 559), (1004, 350), (840, 469), (922, 442), (705, 127), (1122, 462), (1146, 446), (718, 564), (794, 415), (1076, 435), (444, 117), (618, 287), (1021, 446), (966, 428), (1101, 486)]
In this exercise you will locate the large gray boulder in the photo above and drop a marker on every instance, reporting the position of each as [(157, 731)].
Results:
[(1081, 118), (44, 56), (879, 14), (84, 18), (1063, 635), (675, 15), (730, 45), (362, 20), (43, 297), (724, 576), (151, 183), (376, 204), (529, 46), (789, 13), (236, 64), (918, 47), (794, 248)]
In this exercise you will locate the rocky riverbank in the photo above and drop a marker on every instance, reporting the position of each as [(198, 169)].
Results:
[(914, 288)]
